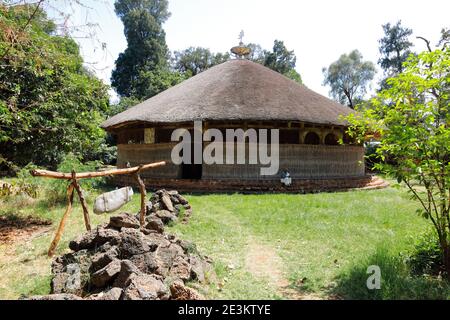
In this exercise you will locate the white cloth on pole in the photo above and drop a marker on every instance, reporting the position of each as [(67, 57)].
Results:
[(112, 201)]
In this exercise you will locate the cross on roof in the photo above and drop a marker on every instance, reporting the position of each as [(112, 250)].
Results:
[(241, 36)]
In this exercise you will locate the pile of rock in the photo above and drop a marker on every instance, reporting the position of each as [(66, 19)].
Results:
[(122, 261), (168, 206)]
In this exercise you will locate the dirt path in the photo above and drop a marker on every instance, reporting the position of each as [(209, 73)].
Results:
[(15, 228), (264, 263)]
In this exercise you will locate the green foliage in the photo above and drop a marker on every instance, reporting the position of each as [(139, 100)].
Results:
[(371, 155), (426, 256), (57, 189), (49, 104), (192, 61), (412, 120), (282, 60), (145, 61), (27, 182), (349, 77), (123, 104), (395, 48), (150, 83)]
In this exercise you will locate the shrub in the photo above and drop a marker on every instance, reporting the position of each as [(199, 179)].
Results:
[(426, 257)]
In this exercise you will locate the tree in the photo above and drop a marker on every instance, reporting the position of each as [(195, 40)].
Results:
[(192, 61), (412, 121), (348, 78), (257, 54), (147, 52), (49, 103), (395, 48), (282, 60)]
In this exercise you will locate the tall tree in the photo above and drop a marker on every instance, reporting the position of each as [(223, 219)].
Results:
[(349, 77), (49, 104), (147, 52), (282, 60), (257, 54), (192, 61), (395, 48), (411, 119)]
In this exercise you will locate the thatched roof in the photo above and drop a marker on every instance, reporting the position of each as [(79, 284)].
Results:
[(234, 90)]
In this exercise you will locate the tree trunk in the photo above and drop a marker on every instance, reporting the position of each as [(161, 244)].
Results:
[(446, 253)]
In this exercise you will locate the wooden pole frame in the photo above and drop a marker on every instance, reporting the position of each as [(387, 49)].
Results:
[(73, 177)]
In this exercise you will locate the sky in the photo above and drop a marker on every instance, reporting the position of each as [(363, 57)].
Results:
[(319, 31)]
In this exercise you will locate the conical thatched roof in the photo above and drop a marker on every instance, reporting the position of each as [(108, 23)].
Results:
[(234, 90)]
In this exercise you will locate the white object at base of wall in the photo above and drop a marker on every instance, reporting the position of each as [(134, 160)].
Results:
[(287, 181), (112, 201)]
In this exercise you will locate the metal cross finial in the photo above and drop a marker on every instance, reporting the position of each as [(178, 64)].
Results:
[(241, 36)]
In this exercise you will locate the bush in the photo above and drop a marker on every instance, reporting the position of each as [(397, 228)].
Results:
[(371, 155), (426, 257)]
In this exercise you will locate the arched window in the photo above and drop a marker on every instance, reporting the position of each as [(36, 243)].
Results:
[(331, 140), (347, 139), (312, 138)]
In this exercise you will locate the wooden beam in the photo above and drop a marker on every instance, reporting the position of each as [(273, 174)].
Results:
[(86, 175)]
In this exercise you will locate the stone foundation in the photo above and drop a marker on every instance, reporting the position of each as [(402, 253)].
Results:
[(248, 186)]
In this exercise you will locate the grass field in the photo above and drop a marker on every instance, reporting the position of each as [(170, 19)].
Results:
[(315, 246)]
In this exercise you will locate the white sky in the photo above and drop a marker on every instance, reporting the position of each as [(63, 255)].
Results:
[(319, 31)]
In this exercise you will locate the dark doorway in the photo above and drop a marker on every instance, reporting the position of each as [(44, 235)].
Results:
[(192, 171)]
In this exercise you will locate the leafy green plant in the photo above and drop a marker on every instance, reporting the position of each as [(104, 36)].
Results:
[(411, 118), (426, 256), (49, 103)]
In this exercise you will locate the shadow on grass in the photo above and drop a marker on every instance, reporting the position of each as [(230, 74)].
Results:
[(397, 282), (12, 224)]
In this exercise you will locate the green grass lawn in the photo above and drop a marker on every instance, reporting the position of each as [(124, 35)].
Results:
[(264, 246)]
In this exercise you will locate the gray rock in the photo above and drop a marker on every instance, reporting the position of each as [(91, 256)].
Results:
[(146, 262), (180, 269), (155, 240), (181, 292), (95, 238), (154, 223), (124, 220), (71, 273), (55, 297), (146, 287), (167, 202), (127, 271), (197, 270), (182, 200), (102, 259), (165, 257), (106, 275), (166, 216), (132, 243), (110, 295)]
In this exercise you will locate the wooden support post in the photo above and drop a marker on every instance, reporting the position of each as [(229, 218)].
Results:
[(54, 244), (87, 220), (143, 197)]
